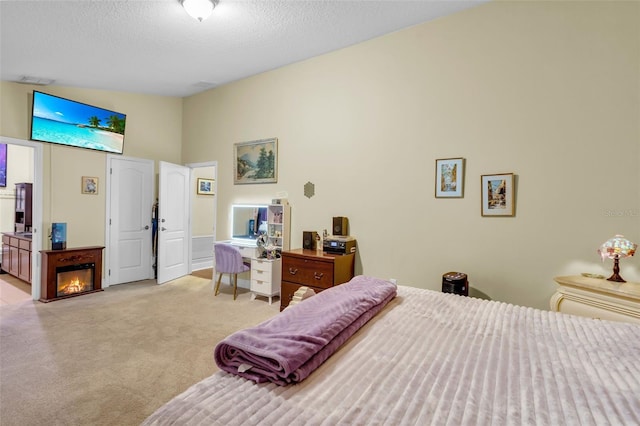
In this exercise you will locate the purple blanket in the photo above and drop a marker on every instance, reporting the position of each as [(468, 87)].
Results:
[(288, 347)]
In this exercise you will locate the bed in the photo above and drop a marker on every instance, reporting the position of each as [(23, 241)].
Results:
[(431, 358)]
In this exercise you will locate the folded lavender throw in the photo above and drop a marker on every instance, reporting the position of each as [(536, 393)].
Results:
[(288, 347)]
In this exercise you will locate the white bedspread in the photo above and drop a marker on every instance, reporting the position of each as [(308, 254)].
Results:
[(442, 359)]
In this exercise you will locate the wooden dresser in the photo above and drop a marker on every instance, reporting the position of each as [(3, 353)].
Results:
[(313, 269), (597, 298)]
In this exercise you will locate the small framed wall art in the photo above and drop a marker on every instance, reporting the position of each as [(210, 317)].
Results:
[(498, 195), (450, 178), (205, 186), (255, 161), (89, 185)]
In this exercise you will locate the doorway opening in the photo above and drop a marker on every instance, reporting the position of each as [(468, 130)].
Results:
[(33, 163)]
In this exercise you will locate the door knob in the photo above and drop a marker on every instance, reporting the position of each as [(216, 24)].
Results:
[(146, 227)]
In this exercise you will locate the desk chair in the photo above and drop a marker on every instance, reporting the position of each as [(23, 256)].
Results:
[(229, 261)]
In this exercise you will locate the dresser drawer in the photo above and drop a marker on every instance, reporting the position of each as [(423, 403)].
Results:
[(266, 288), (309, 272), (262, 266), (262, 276), (25, 245)]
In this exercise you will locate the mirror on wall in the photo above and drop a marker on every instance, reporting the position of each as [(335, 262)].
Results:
[(248, 221)]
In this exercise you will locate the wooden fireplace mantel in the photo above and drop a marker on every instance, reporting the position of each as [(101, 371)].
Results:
[(52, 259)]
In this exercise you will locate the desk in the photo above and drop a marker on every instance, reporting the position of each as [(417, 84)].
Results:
[(248, 249), (266, 274)]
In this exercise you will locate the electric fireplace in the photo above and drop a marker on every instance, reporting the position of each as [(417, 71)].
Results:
[(74, 279), (70, 272)]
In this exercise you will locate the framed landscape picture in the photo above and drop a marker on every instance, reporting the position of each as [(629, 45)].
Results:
[(450, 178), (498, 195), (255, 161)]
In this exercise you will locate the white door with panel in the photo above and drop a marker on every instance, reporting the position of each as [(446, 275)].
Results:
[(130, 192), (173, 222)]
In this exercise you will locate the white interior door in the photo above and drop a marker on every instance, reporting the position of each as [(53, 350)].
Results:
[(173, 222), (129, 219)]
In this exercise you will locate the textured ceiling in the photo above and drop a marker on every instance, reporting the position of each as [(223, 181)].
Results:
[(154, 47)]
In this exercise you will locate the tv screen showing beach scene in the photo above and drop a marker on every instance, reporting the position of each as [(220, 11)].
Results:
[(66, 122)]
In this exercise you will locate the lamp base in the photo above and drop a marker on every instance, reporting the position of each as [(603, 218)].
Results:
[(616, 278), (616, 271)]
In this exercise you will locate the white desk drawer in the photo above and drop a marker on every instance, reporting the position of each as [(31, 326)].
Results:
[(264, 287), (247, 252), (260, 265)]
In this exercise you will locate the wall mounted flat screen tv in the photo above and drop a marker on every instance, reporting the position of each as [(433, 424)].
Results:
[(3, 164), (66, 122)]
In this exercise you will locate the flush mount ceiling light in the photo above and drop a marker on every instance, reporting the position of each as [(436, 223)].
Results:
[(199, 9)]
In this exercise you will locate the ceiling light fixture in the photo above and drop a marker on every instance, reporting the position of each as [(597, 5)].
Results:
[(199, 9)]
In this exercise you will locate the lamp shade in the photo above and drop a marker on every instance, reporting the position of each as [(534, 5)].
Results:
[(617, 246), (199, 9)]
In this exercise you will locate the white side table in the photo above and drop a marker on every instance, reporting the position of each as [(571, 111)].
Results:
[(597, 298), (265, 278)]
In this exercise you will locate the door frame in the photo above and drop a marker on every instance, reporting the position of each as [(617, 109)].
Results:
[(106, 281), (37, 208), (107, 251)]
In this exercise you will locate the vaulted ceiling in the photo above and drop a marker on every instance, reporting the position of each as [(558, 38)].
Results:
[(154, 47)]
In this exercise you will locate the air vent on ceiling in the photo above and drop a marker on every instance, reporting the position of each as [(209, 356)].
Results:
[(35, 80), (205, 84)]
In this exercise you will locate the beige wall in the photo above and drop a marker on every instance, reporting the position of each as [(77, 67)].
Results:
[(203, 214), (153, 131), (546, 90)]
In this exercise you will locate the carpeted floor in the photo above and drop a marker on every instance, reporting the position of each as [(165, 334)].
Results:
[(113, 357)]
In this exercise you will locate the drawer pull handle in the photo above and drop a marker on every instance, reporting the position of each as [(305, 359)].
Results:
[(293, 271), (318, 275)]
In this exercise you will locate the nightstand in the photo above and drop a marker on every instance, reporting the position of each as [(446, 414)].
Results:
[(314, 269), (597, 298)]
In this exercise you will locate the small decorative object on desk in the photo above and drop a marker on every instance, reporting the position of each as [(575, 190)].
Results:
[(616, 248), (261, 243)]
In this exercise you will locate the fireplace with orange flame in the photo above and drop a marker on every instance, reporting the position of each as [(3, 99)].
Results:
[(74, 279), (70, 272)]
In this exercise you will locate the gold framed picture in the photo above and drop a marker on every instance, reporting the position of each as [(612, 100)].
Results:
[(89, 185), (255, 161), (498, 194), (205, 186)]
